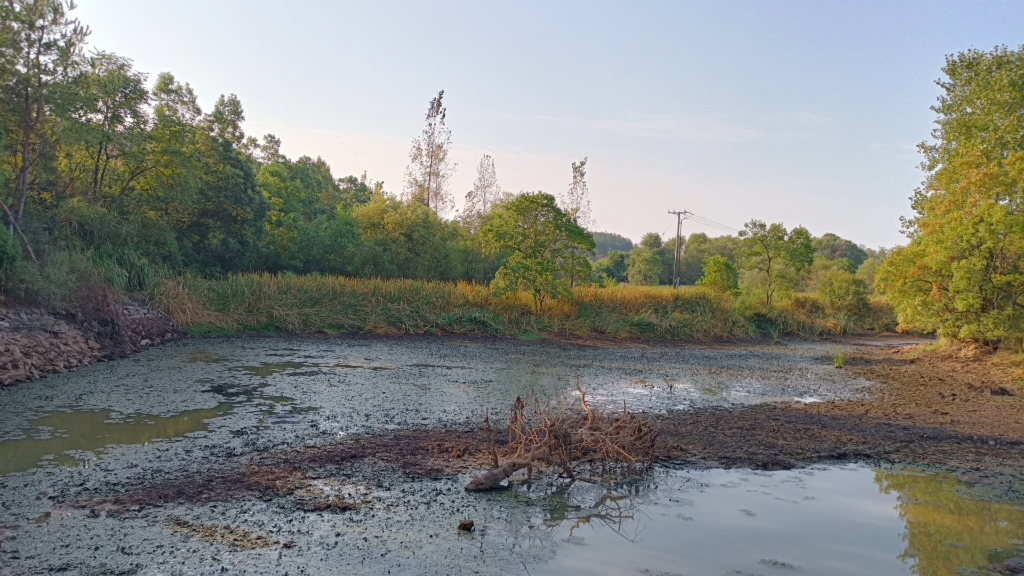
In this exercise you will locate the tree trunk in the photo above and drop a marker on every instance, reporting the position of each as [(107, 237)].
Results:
[(492, 479)]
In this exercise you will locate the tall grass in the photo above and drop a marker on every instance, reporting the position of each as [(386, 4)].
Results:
[(302, 304), (269, 303)]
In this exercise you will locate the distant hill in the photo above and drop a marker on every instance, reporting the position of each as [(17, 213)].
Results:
[(608, 241)]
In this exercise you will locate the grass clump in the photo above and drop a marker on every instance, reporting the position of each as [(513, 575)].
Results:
[(838, 357)]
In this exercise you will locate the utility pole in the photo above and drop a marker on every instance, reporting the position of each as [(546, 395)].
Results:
[(680, 216)]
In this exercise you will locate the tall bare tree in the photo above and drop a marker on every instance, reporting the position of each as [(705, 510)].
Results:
[(48, 45), (429, 171), (576, 201), (484, 194)]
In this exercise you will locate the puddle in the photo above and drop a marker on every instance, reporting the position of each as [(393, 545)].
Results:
[(835, 521), (59, 436)]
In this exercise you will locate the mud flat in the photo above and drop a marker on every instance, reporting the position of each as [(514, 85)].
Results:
[(350, 456)]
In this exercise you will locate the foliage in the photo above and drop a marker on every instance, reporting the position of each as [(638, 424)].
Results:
[(867, 271), (843, 296), (698, 248), (777, 254), (613, 266), (10, 256), (644, 267), (962, 273), (545, 247), (720, 275), (832, 247), (606, 242)]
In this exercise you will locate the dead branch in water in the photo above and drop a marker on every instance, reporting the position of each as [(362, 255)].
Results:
[(573, 439)]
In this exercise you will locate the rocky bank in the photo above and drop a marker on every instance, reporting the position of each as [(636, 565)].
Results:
[(35, 343)]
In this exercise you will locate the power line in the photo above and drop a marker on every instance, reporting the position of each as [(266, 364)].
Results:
[(711, 223), (687, 215), (680, 216)]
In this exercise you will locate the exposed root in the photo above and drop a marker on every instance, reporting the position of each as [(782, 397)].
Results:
[(573, 439)]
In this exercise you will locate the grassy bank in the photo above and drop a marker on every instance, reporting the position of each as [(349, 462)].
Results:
[(265, 303)]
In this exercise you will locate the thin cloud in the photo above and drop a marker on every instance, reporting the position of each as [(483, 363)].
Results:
[(667, 126)]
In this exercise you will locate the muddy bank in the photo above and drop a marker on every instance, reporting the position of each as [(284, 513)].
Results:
[(935, 412), (35, 343), (954, 412), (351, 455)]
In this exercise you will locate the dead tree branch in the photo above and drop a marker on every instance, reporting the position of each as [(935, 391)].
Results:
[(572, 438)]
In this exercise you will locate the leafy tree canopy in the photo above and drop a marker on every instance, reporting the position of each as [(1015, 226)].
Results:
[(779, 255), (544, 246), (962, 273)]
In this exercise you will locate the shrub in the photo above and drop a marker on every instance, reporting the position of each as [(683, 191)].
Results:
[(10, 256), (720, 275)]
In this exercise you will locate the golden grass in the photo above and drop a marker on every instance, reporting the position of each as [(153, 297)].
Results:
[(303, 304)]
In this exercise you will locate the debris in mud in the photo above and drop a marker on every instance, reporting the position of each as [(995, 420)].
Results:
[(773, 563), (574, 439), (466, 526), (225, 535), (300, 473), (7, 533), (315, 499), (1012, 567)]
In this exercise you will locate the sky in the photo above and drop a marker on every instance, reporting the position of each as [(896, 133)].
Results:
[(801, 112)]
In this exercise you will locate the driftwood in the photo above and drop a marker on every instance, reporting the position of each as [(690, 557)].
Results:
[(575, 440)]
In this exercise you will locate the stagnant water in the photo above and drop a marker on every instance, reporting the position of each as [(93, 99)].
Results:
[(184, 407)]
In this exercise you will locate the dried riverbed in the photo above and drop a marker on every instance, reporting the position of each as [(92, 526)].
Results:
[(349, 455)]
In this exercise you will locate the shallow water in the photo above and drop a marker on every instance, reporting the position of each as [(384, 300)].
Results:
[(182, 409), (828, 520), (63, 437)]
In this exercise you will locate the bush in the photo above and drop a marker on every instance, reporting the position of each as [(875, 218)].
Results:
[(720, 275), (841, 293), (10, 256)]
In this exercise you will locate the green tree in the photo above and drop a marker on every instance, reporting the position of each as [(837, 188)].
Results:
[(605, 242), (544, 247), (403, 239), (698, 248), (832, 247), (644, 267), (843, 295), (778, 255), (720, 275), (613, 266), (962, 273), (44, 49), (867, 271)]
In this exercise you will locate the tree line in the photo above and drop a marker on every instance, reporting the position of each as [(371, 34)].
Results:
[(105, 173)]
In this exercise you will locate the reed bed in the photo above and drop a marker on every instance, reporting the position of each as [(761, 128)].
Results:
[(267, 303)]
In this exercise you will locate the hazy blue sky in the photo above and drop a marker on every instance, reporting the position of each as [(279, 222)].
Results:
[(800, 112)]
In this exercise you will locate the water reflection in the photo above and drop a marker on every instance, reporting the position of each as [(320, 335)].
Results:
[(829, 520), (948, 533), (57, 436)]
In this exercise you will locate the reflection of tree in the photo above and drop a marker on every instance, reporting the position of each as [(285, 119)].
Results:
[(946, 532), (612, 509), (531, 523)]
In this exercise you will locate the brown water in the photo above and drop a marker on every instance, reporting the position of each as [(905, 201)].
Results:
[(58, 436)]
